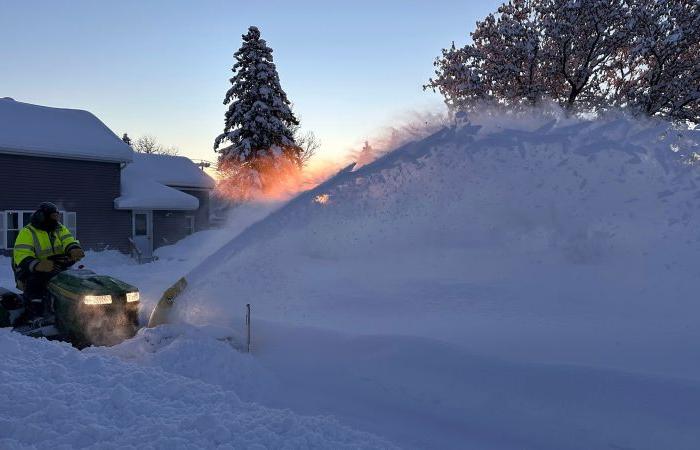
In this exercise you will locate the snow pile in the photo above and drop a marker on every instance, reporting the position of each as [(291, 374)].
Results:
[(465, 214), (57, 397), (429, 394), (551, 244), (213, 355), (57, 132)]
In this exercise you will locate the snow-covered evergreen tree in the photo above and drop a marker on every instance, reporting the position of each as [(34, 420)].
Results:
[(258, 121)]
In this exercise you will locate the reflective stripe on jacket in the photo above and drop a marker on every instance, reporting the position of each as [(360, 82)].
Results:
[(33, 245)]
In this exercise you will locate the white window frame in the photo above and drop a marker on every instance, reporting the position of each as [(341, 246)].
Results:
[(5, 225), (3, 231), (20, 223), (70, 220)]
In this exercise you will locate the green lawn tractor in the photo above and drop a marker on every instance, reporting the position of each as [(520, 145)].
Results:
[(80, 307)]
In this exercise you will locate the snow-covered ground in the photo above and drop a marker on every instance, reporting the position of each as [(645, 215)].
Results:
[(517, 283), (56, 397)]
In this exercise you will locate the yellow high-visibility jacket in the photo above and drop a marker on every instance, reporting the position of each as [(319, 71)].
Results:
[(33, 245)]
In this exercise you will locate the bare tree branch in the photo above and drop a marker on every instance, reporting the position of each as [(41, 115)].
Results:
[(148, 144)]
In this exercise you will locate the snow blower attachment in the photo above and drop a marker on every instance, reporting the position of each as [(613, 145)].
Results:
[(80, 306), (161, 312)]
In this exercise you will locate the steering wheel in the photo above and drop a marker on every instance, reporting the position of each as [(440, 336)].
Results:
[(61, 262)]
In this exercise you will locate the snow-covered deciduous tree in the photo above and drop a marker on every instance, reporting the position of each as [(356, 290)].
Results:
[(458, 78), (583, 54), (581, 39), (259, 118), (509, 47), (503, 64), (663, 59)]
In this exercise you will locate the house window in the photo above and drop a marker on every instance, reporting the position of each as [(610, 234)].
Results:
[(12, 227), (11, 222), (69, 220), (140, 224)]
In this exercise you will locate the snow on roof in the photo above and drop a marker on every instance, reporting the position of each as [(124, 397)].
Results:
[(146, 183), (58, 133), (144, 193), (172, 170)]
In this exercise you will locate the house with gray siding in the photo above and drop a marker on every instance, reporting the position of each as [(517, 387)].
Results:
[(168, 197), (109, 196)]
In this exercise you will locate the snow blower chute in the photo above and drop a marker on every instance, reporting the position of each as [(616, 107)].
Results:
[(161, 312), (80, 306)]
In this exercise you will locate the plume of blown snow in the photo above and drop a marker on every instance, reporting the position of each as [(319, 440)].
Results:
[(507, 184), (498, 180), (272, 182), (414, 126)]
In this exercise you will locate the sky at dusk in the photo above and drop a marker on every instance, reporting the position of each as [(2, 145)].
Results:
[(162, 67)]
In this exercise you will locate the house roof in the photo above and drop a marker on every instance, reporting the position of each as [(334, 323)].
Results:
[(28, 129), (149, 183), (176, 171)]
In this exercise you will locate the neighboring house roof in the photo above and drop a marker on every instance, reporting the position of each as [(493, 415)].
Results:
[(27, 129), (146, 183), (176, 171)]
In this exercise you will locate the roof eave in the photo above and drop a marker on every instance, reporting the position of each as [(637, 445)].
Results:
[(151, 208), (201, 188), (45, 154)]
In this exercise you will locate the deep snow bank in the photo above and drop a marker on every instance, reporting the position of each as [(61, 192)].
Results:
[(517, 215), (428, 394), (565, 247), (54, 396)]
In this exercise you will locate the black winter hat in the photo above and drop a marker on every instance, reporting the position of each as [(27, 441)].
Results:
[(48, 208), (42, 220)]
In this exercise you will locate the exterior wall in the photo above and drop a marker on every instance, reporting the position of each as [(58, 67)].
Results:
[(201, 220), (169, 227), (86, 187)]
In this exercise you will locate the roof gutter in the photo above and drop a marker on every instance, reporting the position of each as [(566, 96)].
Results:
[(72, 156)]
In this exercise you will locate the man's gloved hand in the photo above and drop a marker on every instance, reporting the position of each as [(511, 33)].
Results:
[(76, 254), (44, 266)]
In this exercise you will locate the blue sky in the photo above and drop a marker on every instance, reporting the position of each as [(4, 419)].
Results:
[(162, 67)]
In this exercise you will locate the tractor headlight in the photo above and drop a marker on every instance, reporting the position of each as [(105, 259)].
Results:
[(97, 299), (132, 297)]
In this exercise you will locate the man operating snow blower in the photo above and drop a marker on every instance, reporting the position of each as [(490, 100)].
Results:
[(43, 248), (61, 302)]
